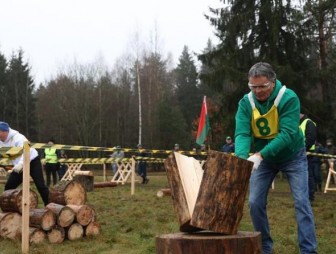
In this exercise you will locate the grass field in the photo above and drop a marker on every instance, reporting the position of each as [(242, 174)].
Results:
[(130, 223)]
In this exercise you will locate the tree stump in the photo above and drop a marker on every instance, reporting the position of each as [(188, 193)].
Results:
[(11, 200), (67, 192), (85, 180), (84, 214), (36, 235), (56, 234), (42, 218), (92, 229), (64, 214), (208, 242), (10, 225), (74, 232), (217, 202)]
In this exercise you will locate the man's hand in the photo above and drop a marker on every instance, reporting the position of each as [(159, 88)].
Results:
[(18, 168), (256, 159)]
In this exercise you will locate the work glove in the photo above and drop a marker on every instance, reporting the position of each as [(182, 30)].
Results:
[(18, 168), (256, 159)]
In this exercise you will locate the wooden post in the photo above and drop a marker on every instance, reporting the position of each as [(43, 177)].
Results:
[(25, 198), (104, 172), (133, 177)]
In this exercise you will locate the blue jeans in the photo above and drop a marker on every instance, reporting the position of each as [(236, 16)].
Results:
[(261, 179)]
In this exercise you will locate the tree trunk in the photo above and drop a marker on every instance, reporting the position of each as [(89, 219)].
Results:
[(74, 232), (65, 193), (36, 235), (10, 225), (11, 200), (84, 214), (207, 242), (64, 214), (56, 234), (92, 229), (42, 218)]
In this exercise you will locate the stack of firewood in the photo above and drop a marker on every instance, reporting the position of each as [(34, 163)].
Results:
[(67, 216)]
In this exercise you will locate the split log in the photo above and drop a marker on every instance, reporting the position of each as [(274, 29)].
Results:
[(10, 225), (163, 192), (42, 218), (67, 192), (86, 181), (56, 234), (64, 214), (74, 232), (11, 200), (36, 235), (197, 204), (84, 214), (105, 184), (92, 229), (207, 242)]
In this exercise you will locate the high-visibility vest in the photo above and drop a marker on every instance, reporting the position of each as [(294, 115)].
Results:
[(303, 128), (50, 155)]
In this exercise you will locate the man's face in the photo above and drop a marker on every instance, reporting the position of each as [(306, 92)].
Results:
[(3, 135), (261, 87), (228, 140)]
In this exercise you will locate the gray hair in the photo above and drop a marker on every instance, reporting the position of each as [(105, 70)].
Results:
[(262, 69)]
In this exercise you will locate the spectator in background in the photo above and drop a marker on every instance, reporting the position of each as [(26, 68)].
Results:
[(142, 164), (331, 149), (117, 155), (229, 146), (316, 162), (51, 164), (12, 138), (63, 166), (176, 147)]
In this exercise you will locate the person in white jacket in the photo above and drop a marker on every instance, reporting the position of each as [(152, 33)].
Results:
[(12, 138)]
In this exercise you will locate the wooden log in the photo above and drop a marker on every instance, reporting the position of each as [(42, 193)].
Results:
[(56, 234), (199, 206), (83, 173), (36, 235), (92, 229), (84, 214), (10, 225), (207, 242), (105, 184), (74, 232), (65, 216), (85, 180), (163, 192), (11, 200), (67, 192), (42, 218)]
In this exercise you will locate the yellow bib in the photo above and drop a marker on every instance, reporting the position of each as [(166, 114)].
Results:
[(266, 126)]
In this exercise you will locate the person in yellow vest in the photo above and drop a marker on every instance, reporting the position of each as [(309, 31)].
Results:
[(308, 128), (51, 165), (267, 124)]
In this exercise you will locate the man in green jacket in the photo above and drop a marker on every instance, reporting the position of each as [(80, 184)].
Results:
[(268, 120)]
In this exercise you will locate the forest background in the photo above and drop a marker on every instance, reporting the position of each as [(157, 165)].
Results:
[(93, 105)]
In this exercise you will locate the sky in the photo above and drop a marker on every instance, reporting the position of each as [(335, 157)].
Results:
[(57, 33)]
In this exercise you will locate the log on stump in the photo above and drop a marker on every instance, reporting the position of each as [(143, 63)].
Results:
[(56, 234), (67, 192), (74, 232), (213, 201), (207, 242), (92, 229), (163, 192), (65, 215), (86, 181), (11, 200), (84, 214), (36, 235), (42, 218), (105, 184), (10, 225)]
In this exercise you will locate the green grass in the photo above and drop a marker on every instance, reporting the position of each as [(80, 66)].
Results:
[(130, 223)]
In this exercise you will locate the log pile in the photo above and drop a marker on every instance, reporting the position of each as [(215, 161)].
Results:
[(67, 217)]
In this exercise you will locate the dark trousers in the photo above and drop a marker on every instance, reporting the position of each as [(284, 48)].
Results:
[(311, 181), (51, 169), (15, 179)]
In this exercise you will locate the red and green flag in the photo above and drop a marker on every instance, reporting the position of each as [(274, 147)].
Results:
[(204, 124)]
